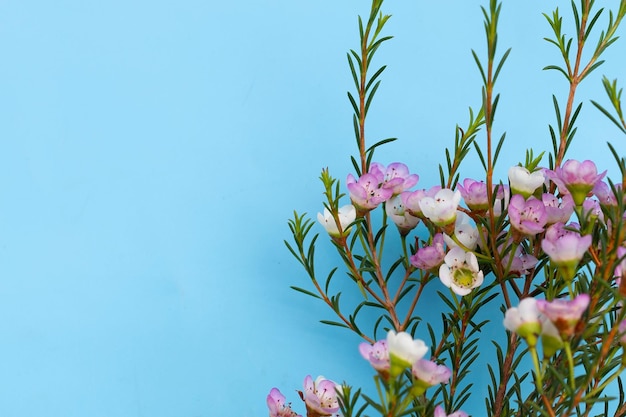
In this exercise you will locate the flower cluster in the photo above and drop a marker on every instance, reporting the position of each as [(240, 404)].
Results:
[(546, 245)]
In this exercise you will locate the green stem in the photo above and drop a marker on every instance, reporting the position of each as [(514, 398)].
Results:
[(570, 363), (538, 371)]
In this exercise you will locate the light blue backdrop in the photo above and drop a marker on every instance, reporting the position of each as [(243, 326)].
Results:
[(151, 152)]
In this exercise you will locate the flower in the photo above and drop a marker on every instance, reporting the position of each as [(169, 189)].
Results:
[(366, 193), (377, 355), (524, 320), (412, 200), (565, 248), (427, 374), (605, 194), (558, 211), (524, 182), (527, 216), (551, 340), (577, 178), (397, 177), (320, 396), (440, 412), (517, 261), (401, 217), (441, 209), (474, 194), (404, 351), (564, 314), (464, 232), (277, 406), (429, 257), (347, 214), (460, 271)]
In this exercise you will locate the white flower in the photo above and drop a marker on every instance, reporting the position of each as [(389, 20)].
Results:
[(399, 215), (441, 209), (464, 232), (524, 320), (404, 351), (525, 182), (347, 214), (460, 271)]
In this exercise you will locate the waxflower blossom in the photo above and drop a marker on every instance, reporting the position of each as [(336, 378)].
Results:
[(474, 194), (565, 248), (592, 211), (366, 193), (442, 208), (320, 396), (412, 199), (440, 412), (430, 257), (558, 211), (427, 374), (524, 182), (278, 407), (528, 217), (564, 314), (401, 217), (551, 340), (347, 214), (524, 320), (516, 262), (377, 355), (464, 232), (460, 271), (397, 177), (578, 178), (404, 351), (605, 194)]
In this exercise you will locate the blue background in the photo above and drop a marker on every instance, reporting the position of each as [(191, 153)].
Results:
[(152, 151)]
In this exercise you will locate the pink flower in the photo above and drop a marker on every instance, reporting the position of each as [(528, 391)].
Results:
[(397, 177), (578, 178), (524, 320), (524, 182), (521, 262), (366, 193), (558, 211), (460, 271), (320, 396), (402, 219), (441, 208), (377, 355), (277, 406), (605, 193), (564, 314), (565, 248), (440, 412), (474, 194), (527, 216), (592, 211), (427, 374), (429, 257)]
